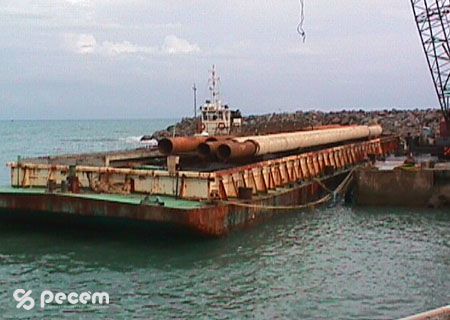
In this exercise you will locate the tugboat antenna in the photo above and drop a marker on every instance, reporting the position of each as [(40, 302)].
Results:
[(214, 88), (194, 88)]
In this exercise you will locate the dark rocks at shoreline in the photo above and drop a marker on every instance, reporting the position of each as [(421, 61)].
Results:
[(186, 127), (399, 122)]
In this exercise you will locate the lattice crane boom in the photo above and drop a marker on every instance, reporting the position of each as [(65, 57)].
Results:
[(433, 22)]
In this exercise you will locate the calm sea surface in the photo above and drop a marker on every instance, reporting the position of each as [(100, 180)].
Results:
[(339, 262)]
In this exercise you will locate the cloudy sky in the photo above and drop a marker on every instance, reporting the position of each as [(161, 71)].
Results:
[(80, 59)]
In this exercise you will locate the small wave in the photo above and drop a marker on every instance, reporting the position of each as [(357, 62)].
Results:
[(132, 139), (150, 143), (90, 140), (138, 140)]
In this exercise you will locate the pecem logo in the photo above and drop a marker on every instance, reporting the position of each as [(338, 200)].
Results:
[(24, 299), (47, 297)]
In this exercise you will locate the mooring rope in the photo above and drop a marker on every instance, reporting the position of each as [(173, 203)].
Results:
[(331, 195), (324, 187)]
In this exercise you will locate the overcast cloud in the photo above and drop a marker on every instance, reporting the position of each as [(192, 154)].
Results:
[(138, 58)]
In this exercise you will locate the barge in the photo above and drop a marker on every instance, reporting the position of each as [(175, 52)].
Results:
[(205, 201)]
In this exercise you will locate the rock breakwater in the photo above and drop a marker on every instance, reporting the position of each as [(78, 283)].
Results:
[(400, 122)]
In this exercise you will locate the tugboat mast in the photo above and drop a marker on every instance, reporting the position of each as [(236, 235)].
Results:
[(214, 88), (217, 119)]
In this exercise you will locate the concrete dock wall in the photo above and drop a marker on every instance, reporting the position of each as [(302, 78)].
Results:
[(402, 187)]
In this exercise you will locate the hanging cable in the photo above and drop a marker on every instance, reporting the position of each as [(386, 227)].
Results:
[(300, 29)]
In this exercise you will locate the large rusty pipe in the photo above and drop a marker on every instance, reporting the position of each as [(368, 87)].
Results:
[(281, 142), (296, 140), (211, 145), (208, 149), (178, 145), (328, 126), (236, 150)]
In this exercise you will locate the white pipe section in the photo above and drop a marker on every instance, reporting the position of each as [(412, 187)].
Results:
[(274, 143)]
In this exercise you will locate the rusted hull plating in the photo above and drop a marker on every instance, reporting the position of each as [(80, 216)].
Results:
[(215, 220)]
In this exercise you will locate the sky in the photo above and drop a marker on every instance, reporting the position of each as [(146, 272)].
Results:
[(102, 59)]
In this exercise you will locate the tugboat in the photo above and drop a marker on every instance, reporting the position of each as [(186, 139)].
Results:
[(218, 119)]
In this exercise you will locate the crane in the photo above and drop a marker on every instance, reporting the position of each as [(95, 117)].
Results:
[(433, 23), (432, 18)]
